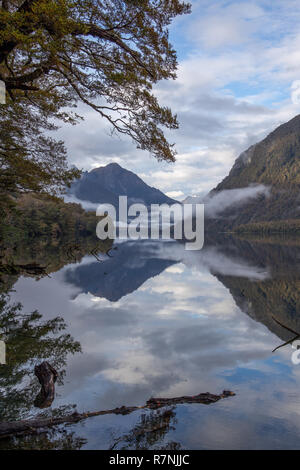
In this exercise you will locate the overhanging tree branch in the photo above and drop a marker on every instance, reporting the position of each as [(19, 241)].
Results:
[(57, 53)]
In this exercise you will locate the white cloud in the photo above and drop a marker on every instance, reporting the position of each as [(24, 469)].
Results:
[(237, 63), (175, 194), (218, 31), (295, 92), (215, 204)]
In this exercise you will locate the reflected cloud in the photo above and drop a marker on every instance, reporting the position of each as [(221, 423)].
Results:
[(134, 262), (201, 323)]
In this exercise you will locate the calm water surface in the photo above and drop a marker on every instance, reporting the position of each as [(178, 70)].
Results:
[(157, 320)]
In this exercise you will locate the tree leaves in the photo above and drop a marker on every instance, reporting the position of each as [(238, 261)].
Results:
[(106, 54)]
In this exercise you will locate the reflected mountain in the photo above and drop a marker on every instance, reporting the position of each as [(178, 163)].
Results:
[(277, 297), (131, 264), (263, 276)]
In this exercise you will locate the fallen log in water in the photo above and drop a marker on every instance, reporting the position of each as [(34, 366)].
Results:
[(18, 428), (47, 376), (204, 398)]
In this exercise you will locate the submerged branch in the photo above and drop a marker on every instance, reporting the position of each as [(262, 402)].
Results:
[(18, 428)]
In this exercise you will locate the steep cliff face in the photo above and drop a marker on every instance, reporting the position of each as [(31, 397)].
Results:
[(275, 163)]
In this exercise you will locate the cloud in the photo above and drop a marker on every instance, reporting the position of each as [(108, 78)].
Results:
[(224, 25), (87, 205), (237, 63), (175, 194), (220, 263), (216, 203), (219, 31), (212, 259), (295, 92)]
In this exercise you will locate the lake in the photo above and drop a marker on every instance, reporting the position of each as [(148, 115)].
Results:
[(156, 320)]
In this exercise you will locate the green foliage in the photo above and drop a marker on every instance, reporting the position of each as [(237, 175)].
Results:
[(56, 53), (31, 160), (40, 216), (46, 232)]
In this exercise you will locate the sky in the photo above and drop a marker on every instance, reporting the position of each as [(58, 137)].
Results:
[(238, 79)]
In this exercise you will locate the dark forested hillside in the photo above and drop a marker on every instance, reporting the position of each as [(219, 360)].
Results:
[(39, 235), (275, 163)]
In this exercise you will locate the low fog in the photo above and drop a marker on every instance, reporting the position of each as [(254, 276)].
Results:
[(218, 202)]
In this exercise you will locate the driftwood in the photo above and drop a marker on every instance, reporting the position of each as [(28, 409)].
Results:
[(47, 376), (30, 426), (204, 398)]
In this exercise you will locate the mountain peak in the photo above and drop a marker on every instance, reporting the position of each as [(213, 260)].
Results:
[(106, 183), (110, 167), (114, 165)]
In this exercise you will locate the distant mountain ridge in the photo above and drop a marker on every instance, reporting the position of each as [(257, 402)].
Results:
[(105, 184), (193, 200), (275, 163)]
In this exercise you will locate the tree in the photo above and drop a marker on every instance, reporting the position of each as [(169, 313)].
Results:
[(29, 159), (29, 340), (106, 54)]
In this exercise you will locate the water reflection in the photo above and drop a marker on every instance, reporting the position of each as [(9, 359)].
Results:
[(150, 430), (137, 261), (29, 339), (52, 439), (131, 264), (158, 320)]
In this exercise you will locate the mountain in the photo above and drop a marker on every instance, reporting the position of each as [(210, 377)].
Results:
[(193, 200), (129, 267), (275, 297), (105, 184), (274, 164)]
